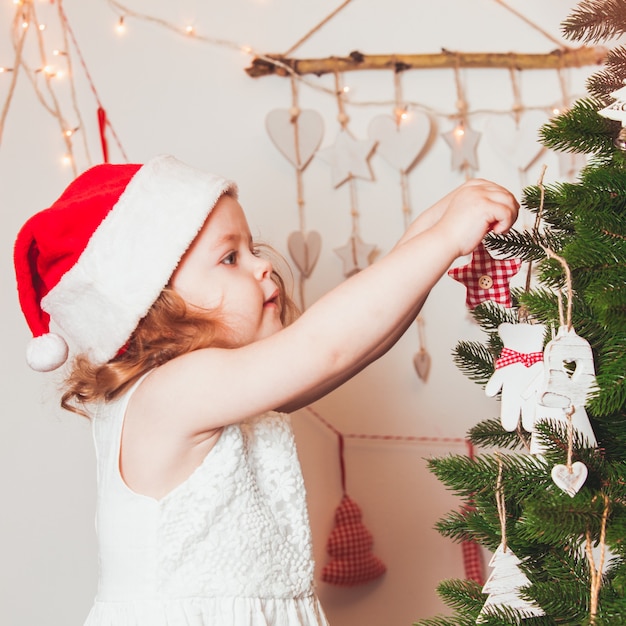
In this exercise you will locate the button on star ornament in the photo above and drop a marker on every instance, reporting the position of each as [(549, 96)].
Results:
[(463, 142), (355, 254), (486, 278), (348, 158)]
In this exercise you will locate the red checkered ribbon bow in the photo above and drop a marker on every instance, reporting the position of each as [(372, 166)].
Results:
[(508, 357)]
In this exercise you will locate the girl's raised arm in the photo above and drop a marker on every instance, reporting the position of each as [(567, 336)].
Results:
[(340, 334)]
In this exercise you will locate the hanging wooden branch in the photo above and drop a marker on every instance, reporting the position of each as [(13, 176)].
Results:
[(559, 58)]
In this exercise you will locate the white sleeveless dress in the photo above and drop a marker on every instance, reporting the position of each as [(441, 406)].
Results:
[(230, 546)]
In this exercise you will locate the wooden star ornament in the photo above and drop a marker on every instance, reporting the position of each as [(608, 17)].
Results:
[(348, 158), (463, 142), (355, 254), (486, 278)]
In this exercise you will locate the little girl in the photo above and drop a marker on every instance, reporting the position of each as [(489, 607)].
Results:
[(186, 361)]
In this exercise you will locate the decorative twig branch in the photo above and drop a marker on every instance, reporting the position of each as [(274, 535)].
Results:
[(559, 58)]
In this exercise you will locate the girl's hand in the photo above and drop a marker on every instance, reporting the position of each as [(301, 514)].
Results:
[(472, 210)]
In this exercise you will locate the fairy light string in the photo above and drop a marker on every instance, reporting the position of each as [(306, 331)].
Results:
[(51, 103)]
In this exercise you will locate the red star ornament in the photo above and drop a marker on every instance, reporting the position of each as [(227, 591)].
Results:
[(486, 278)]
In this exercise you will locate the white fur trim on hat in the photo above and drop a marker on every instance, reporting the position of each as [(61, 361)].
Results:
[(131, 256)]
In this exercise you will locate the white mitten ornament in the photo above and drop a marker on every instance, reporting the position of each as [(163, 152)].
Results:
[(520, 362)]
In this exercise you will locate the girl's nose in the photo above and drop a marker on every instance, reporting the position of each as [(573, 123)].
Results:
[(263, 267)]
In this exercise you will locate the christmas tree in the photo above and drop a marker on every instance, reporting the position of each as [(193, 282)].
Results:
[(548, 485)]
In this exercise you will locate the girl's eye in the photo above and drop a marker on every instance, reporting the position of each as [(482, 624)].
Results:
[(230, 258)]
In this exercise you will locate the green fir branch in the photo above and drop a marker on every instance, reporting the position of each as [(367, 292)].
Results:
[(595, 21), (580, 129), (474, 360), (608, 80), (490, 434)]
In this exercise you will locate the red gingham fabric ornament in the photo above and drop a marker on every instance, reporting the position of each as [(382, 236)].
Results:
[(486, 278), (350, 545), (472, 558)]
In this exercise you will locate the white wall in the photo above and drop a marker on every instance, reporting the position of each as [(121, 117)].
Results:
[(167, 94)]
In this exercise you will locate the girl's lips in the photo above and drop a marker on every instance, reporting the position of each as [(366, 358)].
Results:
[(273, 299)]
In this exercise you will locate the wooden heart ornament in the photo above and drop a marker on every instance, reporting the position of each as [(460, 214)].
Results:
[(421, 362), (517, 143), (305, 250), (570, 481), (281, 126), (401, 145)]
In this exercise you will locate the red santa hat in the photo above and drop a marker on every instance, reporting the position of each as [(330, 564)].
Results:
[(96, 260)]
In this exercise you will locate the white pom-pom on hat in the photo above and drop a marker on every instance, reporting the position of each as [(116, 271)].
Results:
[(46, 352)]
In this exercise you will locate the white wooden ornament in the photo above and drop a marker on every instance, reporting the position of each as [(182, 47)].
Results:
[(463, 143), (355, 254), (516, 143), (562, 389), (514, 379), (421, 362), (401, 145), (281, 128), (503, 586), (305, 250), (570, 480), (348, 158)]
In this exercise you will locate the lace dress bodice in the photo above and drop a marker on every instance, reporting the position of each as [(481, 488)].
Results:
[(229, 546)]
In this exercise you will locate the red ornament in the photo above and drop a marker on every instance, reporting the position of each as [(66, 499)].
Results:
[(350, 546), (486, 278), (350, 543)]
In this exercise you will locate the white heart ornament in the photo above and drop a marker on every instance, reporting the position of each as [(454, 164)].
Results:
[(570, 481), (305, 250), (421, 362), (281, 126), (517, 144), (401, 145)]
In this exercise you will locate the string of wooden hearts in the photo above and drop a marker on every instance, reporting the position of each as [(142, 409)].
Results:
[(298, 134)]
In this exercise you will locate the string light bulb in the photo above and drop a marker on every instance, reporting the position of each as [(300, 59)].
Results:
[(120, 27), (66, 159), (189, 30), (459, 131)]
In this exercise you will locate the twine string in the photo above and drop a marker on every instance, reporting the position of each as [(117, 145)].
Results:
[(595, 573), (500, 503), (316, 28)]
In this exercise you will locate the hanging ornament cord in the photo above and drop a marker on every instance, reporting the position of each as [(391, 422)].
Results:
[(501, 504), (461, 105), (343, 120), (316, 28), (532, 24), (596, 572), (570, 437), (295, 113), (400, 112)]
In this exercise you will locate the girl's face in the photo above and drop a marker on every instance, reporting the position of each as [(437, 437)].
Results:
[(222, 271)]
